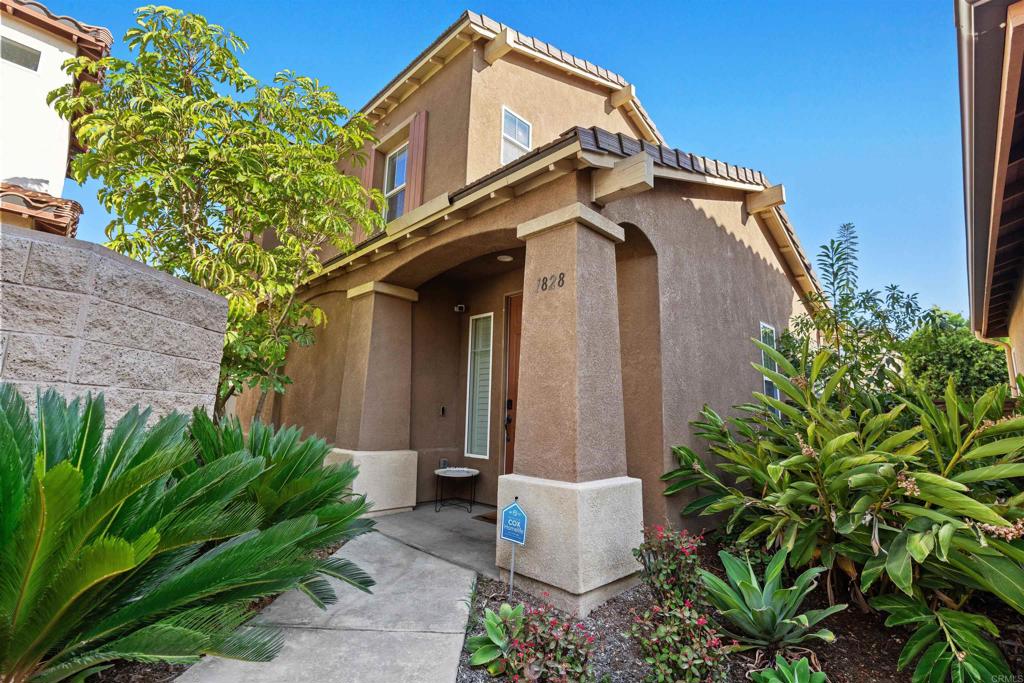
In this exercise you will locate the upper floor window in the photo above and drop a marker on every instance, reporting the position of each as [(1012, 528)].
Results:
[(394, 182), (22, 55), (515, 136)]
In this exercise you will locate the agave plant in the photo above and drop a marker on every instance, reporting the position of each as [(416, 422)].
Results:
[(789, 672), (766, 616), (124, 548), (294, 482)]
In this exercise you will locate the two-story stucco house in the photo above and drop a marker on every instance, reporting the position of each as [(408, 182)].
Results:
[(35, 142), (556, 295)]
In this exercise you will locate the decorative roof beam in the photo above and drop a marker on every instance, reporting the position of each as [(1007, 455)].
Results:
[(766, 199), (498, 46)]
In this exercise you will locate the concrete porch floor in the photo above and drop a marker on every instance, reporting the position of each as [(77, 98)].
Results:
[(451, 534)]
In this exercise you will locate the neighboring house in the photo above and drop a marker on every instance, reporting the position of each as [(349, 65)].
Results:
[(75, 316), (35, 143), (990, 40), (556, 295)]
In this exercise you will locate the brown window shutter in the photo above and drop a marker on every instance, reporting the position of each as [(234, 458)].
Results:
[(417, 161)]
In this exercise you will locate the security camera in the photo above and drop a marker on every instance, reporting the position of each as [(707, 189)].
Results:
[(460, 308)]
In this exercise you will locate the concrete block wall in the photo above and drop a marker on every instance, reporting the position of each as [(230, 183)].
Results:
[(79, 317)]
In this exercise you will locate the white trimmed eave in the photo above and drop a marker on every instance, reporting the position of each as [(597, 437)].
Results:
[(440, 213)]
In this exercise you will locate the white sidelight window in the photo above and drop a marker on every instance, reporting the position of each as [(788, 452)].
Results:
[(478, 391), (516, 136), (768, 339), (394, 182)]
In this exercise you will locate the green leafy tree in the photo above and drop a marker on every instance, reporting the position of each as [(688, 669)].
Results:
[(220, 180), (947, 348), (865, 328)]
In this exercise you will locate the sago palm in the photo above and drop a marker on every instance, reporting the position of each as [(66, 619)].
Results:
[(123, 548)]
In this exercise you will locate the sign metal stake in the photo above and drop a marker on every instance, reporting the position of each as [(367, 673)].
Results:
[(513, 530)]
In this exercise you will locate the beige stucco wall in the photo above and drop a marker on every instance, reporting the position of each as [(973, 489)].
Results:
[(695, 277), (551, 101), (719, 276), (77, 317)]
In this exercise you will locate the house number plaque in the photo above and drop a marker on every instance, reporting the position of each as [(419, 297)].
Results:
[(551, 282)]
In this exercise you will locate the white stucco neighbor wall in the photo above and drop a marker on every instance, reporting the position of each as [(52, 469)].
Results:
[(33, 139), (79, 318)]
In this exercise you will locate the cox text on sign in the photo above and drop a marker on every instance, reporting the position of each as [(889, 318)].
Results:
[(513, 524)]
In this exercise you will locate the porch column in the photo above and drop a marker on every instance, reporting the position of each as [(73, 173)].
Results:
[(373, 418), (585, 514)]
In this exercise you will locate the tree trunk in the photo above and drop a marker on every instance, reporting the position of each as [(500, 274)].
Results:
[(220, 404), (259, 406)]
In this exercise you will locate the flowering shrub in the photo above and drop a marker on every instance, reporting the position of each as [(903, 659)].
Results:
[(670, 562), (551, 649), (530, 644), (680, 644)]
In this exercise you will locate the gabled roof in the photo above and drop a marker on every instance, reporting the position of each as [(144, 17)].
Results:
[(471, 26)]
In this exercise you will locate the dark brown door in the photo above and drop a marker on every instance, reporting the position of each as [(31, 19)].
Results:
[(513, 333)]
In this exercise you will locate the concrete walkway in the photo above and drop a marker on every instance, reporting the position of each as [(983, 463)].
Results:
[(451, 534), (410, 629)]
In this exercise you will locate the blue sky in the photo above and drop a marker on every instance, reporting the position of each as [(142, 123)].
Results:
[(853, 106)]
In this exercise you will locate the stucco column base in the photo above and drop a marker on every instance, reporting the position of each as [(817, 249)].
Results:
[(580, 538), (386, 478)]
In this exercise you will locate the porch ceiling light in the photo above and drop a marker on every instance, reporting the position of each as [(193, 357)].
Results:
[(504, 258)]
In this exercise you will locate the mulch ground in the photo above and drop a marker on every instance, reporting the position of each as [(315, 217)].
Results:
[(865, 651), (615, 654)]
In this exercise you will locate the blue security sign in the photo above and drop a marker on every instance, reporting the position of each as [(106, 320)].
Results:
[(513, 524)]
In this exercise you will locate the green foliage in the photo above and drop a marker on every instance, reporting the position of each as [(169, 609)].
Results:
[(493, 648), (680, 645), (669, 561), (789, 672), (864, 328), (294, 482), (766, 616), (123, 547), (221, 180), (945, 642), (532, 644), (946, 349), (677, 642), (916, 498)]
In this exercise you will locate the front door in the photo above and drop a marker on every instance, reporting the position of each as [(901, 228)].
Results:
[(513, 333)]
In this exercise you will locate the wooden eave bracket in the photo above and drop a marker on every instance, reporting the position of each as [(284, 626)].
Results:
[(498, 46), (623, 96), (628, 176), (766, 200)]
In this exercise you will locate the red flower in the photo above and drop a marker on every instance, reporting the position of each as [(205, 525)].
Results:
[(701, 621)]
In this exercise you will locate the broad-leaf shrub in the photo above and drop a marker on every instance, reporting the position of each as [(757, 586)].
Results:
[(532, 644), (122, 547), (675, 636), (789, 672), (680, 644), (766, 614), (669, 562), (908, 496)]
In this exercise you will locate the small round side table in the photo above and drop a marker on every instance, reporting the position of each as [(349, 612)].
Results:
[(455, 474)]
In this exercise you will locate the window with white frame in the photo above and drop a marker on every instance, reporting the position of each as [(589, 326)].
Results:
[(394, 182), (768, 339), (516, 136), (478, 390)]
